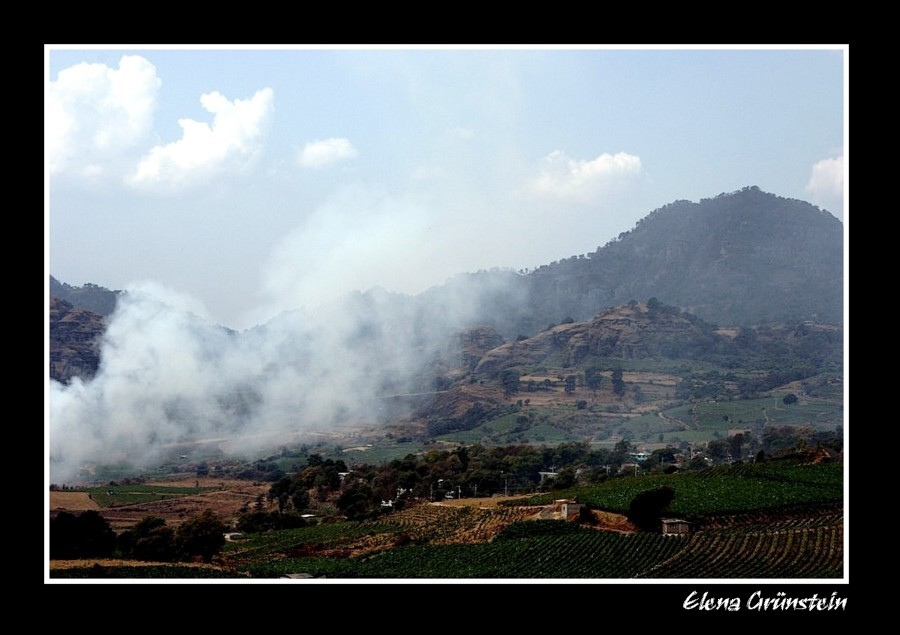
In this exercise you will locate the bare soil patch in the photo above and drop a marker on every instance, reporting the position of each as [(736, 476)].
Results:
[(72, 501), (608, 521)]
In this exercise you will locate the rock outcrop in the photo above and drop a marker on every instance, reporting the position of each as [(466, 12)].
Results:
[(75, 335)]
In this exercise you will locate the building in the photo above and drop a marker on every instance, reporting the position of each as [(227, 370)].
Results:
[(675, 527), (566, 508)]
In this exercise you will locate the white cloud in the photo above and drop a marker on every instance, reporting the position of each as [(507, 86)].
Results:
[(581, 180), (826, 184), (96, 114), (231, 143), (324, 152)]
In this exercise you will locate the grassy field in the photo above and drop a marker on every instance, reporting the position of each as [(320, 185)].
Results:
[(705, 421), (116, 495)]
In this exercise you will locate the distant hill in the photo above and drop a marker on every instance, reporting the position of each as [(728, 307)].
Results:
[(743, 258), (671, 357), (92, 297)]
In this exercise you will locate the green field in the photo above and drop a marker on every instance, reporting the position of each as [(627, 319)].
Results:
[(585, 554), (774, 519), (708, 420), (115, 495), (722, 490)]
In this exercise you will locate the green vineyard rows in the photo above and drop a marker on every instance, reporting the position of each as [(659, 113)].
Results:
[(806, 552), (734, 489)]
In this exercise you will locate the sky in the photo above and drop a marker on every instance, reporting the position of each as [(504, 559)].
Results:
[(244, 182)]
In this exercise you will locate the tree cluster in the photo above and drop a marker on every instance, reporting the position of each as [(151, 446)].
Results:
[(86, 535), (153, 539)]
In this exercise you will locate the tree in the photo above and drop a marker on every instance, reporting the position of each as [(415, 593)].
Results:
[(565, 479), (84, 536), (510, 381), (718, 449), (735, 443), (593, 378), (293, 489), (570, 384), (203, 536), (789, 399), (647, 507), (586, 516), (357, 501), (618, 383), (149, 539)]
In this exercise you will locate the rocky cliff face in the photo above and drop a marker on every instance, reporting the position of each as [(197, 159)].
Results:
[(634, 331), (475, 342), (74, 341)]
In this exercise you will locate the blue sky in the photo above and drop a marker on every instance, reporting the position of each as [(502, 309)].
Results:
[(245, 182)]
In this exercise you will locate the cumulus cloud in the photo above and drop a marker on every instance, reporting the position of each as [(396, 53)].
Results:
[(581, 180), (96, 114), (230, 143), (826, 184), (324, 152)]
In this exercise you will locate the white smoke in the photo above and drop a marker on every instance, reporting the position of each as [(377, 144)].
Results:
[(169, 376)]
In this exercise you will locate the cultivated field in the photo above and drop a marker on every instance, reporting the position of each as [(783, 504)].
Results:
[(224, 497), (71, 502)]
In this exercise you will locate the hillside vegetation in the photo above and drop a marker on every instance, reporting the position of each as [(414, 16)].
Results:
[(797, 532)]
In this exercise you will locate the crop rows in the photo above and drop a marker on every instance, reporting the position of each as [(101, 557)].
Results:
[(809, 552), (796, 517), (447, 525), (735, 489), (316, 537), (587, 554)]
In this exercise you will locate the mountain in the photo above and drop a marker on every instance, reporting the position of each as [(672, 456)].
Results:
[(742, 258)]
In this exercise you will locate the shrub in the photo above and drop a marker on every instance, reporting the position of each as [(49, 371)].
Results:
[(645, 508)]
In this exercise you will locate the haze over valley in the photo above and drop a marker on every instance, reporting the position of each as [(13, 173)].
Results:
[(149, 375)]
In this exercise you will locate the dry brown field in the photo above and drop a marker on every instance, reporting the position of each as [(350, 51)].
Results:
[(71, 502), (226, 499)]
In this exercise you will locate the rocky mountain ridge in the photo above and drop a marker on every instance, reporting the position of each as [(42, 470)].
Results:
[(739, 259)]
